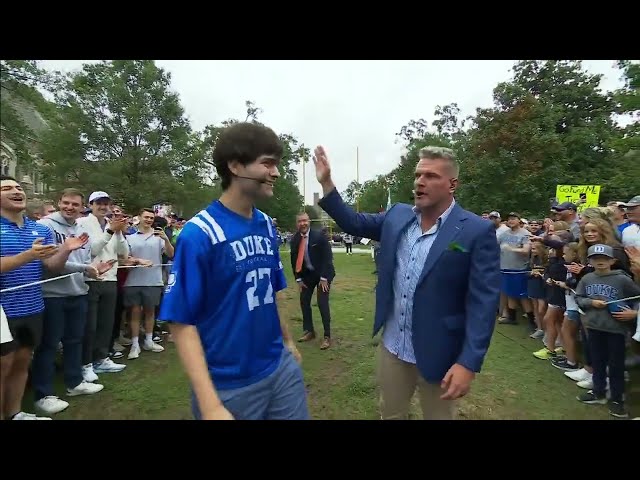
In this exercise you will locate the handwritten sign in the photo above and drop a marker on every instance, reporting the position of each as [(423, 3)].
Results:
[(584, 196)]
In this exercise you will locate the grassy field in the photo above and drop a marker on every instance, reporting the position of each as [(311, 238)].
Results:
[(340, 381)]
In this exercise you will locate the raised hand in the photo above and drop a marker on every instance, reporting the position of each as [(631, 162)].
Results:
[(75, 243), (40, 252), (118, 224), (321, 162)]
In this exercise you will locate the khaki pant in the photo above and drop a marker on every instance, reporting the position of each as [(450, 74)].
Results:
[(398, 381)]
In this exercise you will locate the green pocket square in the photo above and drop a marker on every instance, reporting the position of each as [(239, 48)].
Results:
[(456, 247)]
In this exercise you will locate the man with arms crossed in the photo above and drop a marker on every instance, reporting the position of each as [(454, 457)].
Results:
[(220, 297), (437, 294), (25, 247)]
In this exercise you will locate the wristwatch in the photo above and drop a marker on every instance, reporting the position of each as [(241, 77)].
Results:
[(109, 231)]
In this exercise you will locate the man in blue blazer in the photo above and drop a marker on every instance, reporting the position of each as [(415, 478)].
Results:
[(438, 287)]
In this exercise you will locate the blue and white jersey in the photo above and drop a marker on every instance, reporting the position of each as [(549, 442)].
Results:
[(13, 241), (224, 278)]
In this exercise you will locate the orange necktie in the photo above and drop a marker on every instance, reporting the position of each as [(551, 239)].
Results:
[(301, 250)]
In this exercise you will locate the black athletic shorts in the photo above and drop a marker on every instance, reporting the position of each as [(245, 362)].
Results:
[(26, 331)]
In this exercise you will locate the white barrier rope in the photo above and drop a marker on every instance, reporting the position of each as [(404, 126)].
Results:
[(144, 266), (624, 299), (40, 282)]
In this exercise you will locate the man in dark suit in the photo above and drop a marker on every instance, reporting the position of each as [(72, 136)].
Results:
[(438, 287), (312, 264)]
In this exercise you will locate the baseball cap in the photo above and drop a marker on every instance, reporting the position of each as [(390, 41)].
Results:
[(514, 214), (634, 202), (600, 249), (494, 214), (565, 206), (97, 196)]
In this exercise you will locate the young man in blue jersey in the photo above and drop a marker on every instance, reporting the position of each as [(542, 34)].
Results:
[(220, 296), (25, 247)]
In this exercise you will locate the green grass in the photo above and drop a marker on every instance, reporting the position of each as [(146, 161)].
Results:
[(341, 380)]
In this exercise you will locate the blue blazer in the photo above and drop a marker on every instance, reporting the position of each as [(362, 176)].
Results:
[(457, 297)]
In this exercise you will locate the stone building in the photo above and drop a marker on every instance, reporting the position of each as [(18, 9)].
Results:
[(28, 174)]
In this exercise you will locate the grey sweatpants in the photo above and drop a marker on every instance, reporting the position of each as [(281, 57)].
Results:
[(99, 330)]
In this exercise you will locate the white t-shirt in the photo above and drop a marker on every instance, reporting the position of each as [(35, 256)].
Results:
[(631, 236), (5, 333), (501, 229)]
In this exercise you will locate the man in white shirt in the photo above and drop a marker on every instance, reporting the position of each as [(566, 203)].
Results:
[(107, 244)]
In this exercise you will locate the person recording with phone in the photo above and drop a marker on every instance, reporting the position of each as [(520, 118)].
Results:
[(143, 287)]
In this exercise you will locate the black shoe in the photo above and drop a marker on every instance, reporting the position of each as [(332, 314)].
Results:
[(591, 398), (616, 409), (563, 364)]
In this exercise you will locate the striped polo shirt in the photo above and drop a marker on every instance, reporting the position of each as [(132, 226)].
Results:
[(13, 241)]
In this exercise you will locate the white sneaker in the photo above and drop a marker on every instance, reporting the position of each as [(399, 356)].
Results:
[(537, 335), (28, 416), (109, 366), (587, 384), (152, 347), (85, 388), (51, 405), (117, 347), (579, 375), (88, 373), (134, 352)]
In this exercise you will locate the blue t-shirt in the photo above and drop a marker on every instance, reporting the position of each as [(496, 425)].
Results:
[(225, 274), (13, 241), (621, 228)]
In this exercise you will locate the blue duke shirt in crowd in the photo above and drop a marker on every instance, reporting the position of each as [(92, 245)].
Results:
[(224, 278), (14, 240)]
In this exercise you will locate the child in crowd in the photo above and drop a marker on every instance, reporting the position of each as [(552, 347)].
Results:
[(607, 326), (571, 321), (555, 299), (536, 287)]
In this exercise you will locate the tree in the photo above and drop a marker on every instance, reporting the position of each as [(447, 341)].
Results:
[(550, 125), (623, 181), (374, 194), (21, 103), (351, 193), (125, 130)]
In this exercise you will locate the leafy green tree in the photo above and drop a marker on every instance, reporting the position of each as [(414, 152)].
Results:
[(551, 124), (124, 130)]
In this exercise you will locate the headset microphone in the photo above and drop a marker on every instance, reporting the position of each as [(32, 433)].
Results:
[(259, 180)]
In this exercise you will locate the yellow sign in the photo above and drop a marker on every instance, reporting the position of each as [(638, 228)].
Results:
[(584, 196)]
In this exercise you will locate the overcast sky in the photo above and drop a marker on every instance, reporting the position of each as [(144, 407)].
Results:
[(339, 104)]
